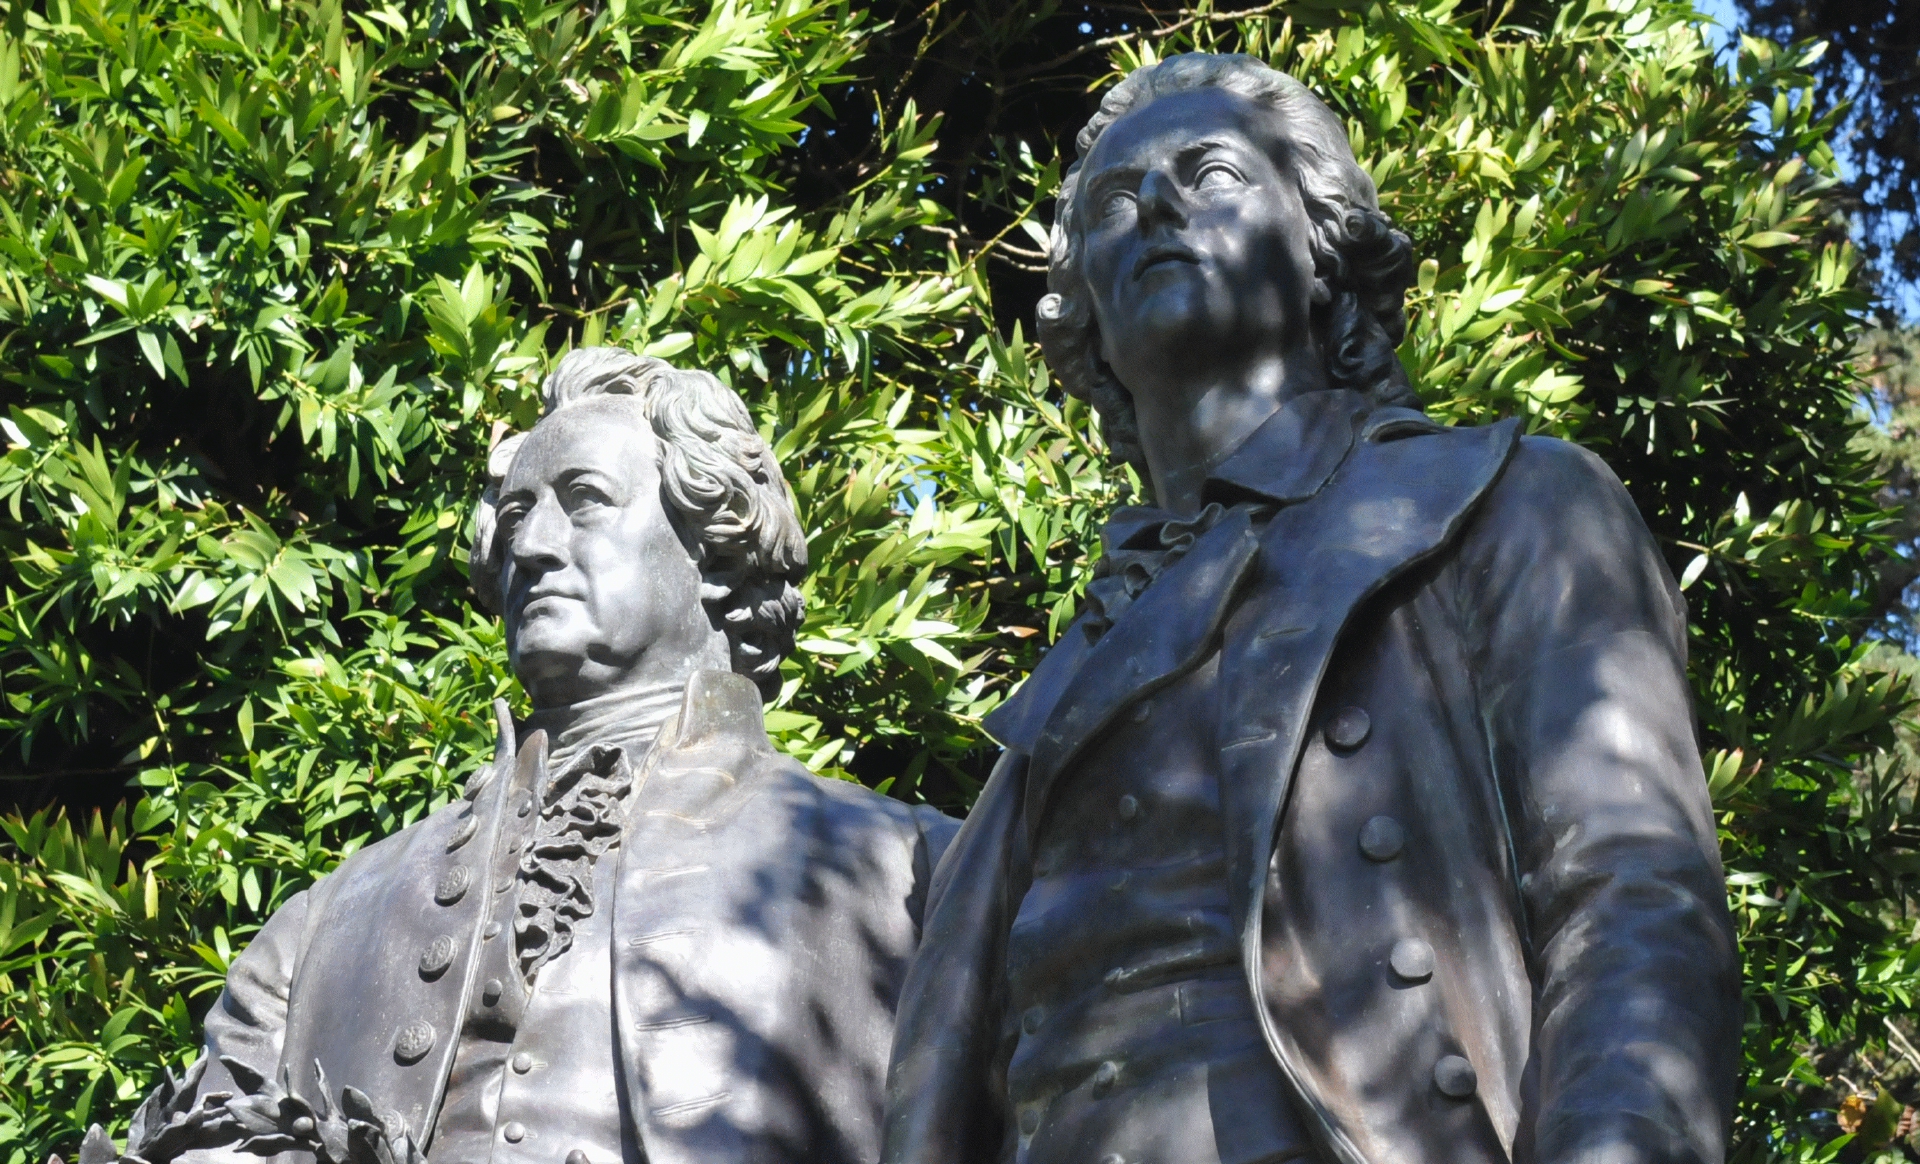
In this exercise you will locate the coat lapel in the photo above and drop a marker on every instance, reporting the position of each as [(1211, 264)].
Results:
[(1286, 460), (1167, 631), (1394, 504)]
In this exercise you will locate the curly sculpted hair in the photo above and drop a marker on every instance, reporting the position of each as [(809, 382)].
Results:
[(722, 488), (1365, 262)]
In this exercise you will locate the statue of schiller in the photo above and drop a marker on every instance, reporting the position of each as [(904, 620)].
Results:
[(1359, 818)]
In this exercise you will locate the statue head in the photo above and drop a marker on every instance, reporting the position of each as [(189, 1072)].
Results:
[(1217, 204), (641, 531)]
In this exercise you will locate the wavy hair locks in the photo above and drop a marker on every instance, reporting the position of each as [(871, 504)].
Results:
[(721, 484), (1366, 263)]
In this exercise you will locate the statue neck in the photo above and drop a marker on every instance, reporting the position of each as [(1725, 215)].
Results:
[(626, 717), (1188, 425)]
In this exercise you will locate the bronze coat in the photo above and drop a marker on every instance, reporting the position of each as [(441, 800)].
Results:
[(1497, 609), (763, 920)]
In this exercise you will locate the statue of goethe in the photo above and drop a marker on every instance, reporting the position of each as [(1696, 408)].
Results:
[(642, 934)]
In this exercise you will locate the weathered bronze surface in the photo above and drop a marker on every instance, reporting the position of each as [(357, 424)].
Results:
[(642, 934), (1360, 817)]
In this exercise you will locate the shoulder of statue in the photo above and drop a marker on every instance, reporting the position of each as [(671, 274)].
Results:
[(1401, 451), (377, 853), (1560, 498)]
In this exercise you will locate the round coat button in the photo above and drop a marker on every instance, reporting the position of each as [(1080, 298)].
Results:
[(1030, 1021), (413, 1041), (437, 957), (492, 930), (1029, 1121), (1382, 838), (1348, 728), (1105, 1075), (522, 1063), (453, 884), (469, 823), (1129, 806), (576, 1157), (490, 993), (1412, 959), (1454, 1077), (514, 1132)]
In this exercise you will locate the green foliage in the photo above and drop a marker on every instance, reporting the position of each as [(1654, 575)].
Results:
[(274, 274), (272, 277)]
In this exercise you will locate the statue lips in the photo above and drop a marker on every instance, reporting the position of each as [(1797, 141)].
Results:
[(545, 602), (1160, 253)]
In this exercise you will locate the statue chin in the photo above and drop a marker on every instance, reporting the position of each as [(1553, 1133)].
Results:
[(550, 632)]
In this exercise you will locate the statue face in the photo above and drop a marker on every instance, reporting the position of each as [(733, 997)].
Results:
[(596, 579), (1194, 235)]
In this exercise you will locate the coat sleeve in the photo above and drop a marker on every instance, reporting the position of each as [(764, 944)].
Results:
[(1580, 640), (945, 1096), (248, 1022)]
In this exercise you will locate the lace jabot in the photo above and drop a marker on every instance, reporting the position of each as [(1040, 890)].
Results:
[(597, 744), (1141, 543)]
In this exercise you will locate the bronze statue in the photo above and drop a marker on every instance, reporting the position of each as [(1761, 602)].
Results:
[(643, 934), (1360, 816)]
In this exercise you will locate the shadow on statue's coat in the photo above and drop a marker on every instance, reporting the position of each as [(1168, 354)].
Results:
[(1360, 818)]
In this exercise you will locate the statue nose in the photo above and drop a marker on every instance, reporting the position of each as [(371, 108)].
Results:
[(1160, 201), (539, 541)]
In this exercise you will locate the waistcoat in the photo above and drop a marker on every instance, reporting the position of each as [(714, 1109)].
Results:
[(1135, 1038), (534, 1075)]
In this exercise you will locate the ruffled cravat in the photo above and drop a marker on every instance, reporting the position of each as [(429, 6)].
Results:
[(582, 799), (1141, 543)]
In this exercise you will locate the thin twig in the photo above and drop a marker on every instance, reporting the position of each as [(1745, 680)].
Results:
[(1900, 1041), (1156, 34)]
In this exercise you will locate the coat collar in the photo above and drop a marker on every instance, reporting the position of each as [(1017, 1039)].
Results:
[(1290, 457), (1373, 498), (719, 708), (1293, 453), (1287, 459)]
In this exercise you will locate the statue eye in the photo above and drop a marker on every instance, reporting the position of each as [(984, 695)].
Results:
[(581, 494), (1118, 202), (1217, 176)]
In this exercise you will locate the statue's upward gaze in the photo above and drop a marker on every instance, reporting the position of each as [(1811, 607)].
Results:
[(1359, 818)]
